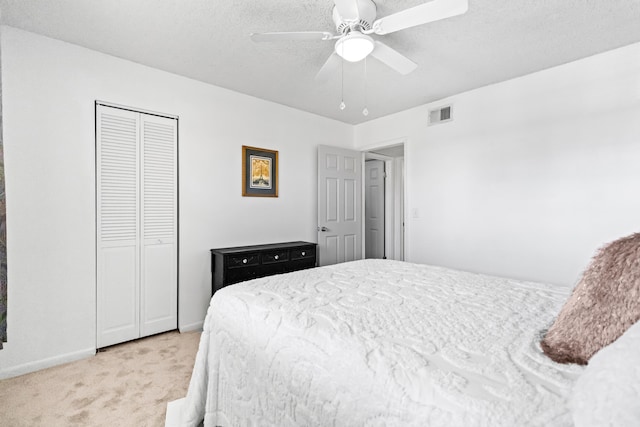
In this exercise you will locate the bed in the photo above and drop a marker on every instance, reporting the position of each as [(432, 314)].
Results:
[(380, 343)]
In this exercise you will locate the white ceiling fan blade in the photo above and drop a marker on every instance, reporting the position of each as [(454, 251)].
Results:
[(347, 9), (288, 36), (330, 68), (393, 59), (421, 14)]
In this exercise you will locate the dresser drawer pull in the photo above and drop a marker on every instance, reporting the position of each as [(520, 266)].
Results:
[(303, 253), (276, 257), (244, 261)]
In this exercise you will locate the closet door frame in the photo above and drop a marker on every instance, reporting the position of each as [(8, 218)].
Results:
[(141, 330)]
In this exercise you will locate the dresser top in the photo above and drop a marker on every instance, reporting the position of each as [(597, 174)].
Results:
[(285, 245)]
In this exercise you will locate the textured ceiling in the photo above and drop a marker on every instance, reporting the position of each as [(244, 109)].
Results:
[(208, 40)]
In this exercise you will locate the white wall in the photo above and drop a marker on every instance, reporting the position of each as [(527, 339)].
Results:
[(49, 89), (531, 176)]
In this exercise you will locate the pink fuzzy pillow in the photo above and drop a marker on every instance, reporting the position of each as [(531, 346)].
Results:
[(603, 305)]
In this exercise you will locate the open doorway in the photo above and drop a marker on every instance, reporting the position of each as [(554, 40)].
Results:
[(384, 202)]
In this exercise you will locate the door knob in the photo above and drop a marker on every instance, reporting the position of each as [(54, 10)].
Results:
[(323, 229)]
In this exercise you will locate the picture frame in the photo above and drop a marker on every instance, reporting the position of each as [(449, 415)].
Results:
[(259, 172)]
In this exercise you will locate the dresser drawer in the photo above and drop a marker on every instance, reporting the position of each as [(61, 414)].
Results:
[(303, 253), (275, 256), (241, 274), (243, 260)]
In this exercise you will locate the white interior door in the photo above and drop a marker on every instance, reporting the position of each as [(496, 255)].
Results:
[(118, 239), (158, 280), (137, 240), (399, 209), (393, 158), (374, 210), (339, 205)]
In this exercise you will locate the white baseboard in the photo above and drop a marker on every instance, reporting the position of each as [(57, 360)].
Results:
[(46, 363), (192, 327)]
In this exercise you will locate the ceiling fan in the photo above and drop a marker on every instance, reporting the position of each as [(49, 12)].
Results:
[(355, 20)]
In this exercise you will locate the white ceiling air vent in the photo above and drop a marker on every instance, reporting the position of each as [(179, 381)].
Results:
[(441, 115)]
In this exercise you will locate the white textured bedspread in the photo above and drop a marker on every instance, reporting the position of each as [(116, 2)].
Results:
[(379, 343)]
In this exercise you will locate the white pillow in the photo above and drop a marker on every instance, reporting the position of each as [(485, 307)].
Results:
[(608, 391)]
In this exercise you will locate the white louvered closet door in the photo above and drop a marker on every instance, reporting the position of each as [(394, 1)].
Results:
[(136, 225), (158, 225), (118, 213)]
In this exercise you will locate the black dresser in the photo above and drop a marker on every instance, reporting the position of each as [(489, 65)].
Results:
[(233, 265)]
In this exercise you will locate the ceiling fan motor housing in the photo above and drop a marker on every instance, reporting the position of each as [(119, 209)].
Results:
[(362, 17)]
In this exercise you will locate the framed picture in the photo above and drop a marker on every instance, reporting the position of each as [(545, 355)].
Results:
[(259, 172)]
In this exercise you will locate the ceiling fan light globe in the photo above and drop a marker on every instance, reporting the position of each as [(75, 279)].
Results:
[(355, 46)]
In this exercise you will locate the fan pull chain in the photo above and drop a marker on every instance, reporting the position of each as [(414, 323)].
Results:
[(365, 112), (342, 104)]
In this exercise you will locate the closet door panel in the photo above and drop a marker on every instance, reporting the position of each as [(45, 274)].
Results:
[(159, 301), (118, 236), (118, 275), (159, 292)]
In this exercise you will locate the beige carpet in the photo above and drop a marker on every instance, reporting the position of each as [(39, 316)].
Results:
[(124, 385)]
